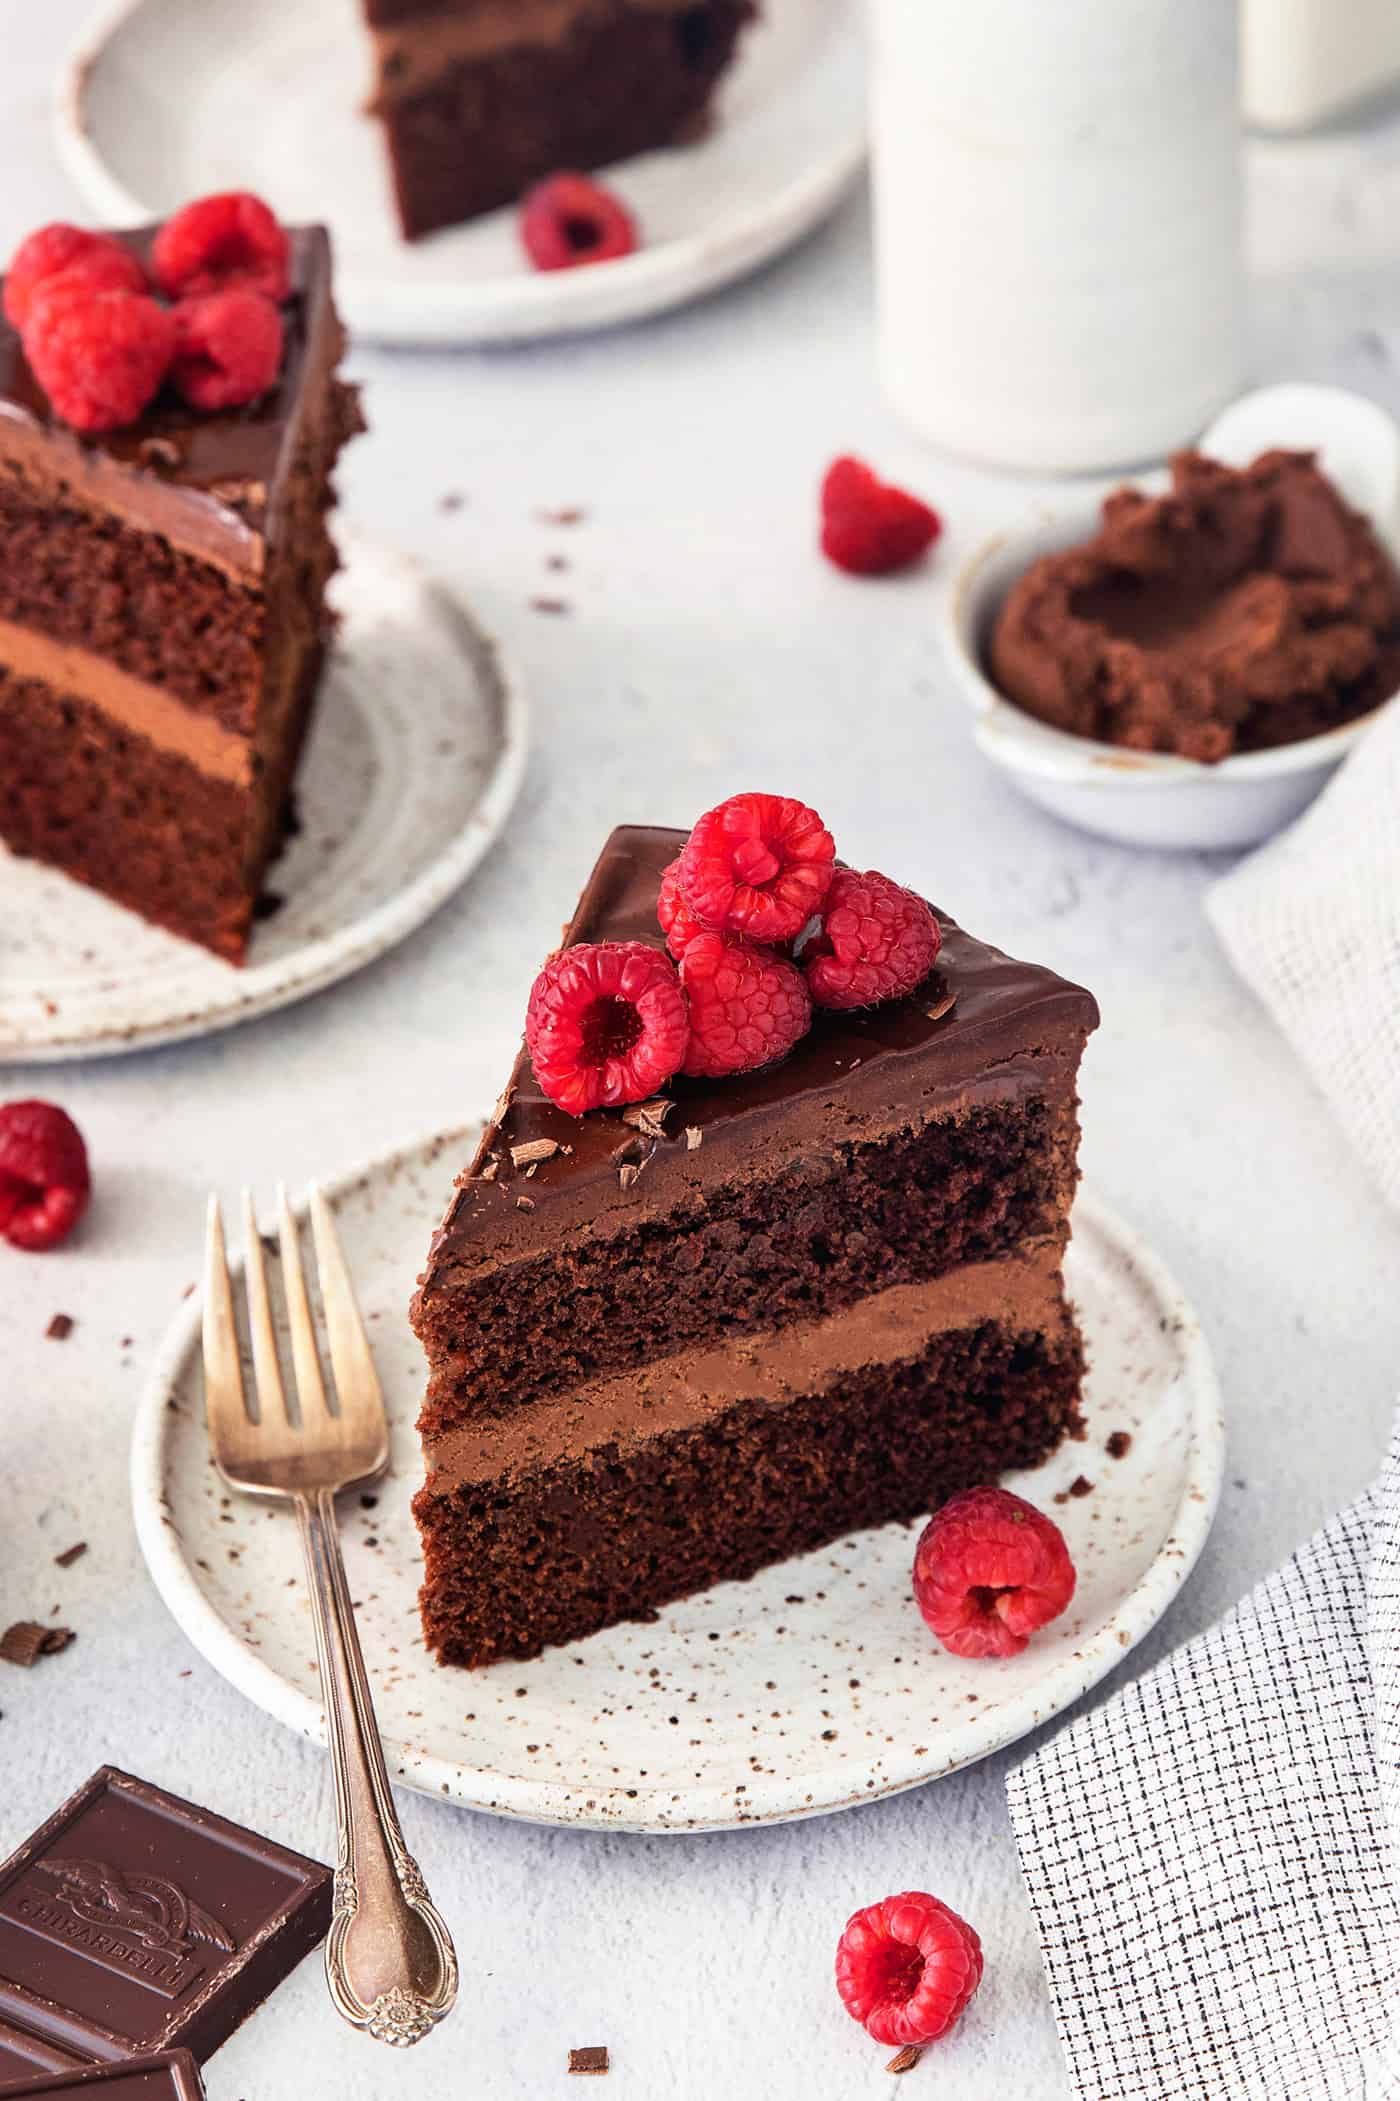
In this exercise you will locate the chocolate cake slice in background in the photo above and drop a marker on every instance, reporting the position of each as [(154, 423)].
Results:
[(668, 1347), (478, 99), (163, 623)]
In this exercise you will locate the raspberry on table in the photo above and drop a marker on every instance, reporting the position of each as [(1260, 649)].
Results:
[(62, 251), (989, 1570), (877, 941), (757, 865), (568, 219), (747, 1006), (870, 528), (100, 356), (228, 348), (44, 1179), (906, 1968), (606, 1024), (231, 238), (678, 923)]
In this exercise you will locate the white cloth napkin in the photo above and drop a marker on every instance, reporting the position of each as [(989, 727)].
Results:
[(1312, 922), (1213, 1856)]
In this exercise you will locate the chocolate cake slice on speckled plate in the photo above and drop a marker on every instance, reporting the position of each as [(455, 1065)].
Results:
[(671, 1344), (163, 623)]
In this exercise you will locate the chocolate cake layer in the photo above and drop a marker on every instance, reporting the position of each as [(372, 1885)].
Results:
[(722, 1464), (891, 1145), (479, 101), (163, 624)]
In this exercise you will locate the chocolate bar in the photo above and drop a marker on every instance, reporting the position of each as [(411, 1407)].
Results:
[(173, 2075), (134, 1922), (25, 2057)]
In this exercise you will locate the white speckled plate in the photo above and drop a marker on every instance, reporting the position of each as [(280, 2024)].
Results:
[(154, 107), (415, 756), (813, 1687)]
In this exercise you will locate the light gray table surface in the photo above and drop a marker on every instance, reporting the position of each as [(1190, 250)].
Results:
[(708, 648)]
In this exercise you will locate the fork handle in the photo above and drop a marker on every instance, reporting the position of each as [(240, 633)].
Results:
[(390, 1962)]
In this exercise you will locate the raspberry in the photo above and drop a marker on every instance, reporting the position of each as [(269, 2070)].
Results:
[(567, 220), (218, 242), (60, 253), (869, 528), (44, 1181), (228, 348), (990, 1569), (678, 923), (606, 1024), (747, 1006), (99, 356), (907, 1968), (877, 942), (759, 865)]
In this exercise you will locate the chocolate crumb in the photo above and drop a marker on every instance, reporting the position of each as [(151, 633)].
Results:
[(524, 1203), (693, 1137), (533, 1151), (628, 1174), (267, 904), (568, 514), (1081, 1486), (369, 1502), (451, 500), (158, 452), (490, 1171), (944, 1006), (905, 2060), (593, 2058), (71, 1554), (26, 1641), (549, 605), (556, 561), (60, 1327), (1119, 1444)]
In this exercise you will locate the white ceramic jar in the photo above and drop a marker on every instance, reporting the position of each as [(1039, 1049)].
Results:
[(1057, 224), (1305, 61)]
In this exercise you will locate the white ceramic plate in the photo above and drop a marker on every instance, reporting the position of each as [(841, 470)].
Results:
[(162, 101), (415, 756), (813, 1687)]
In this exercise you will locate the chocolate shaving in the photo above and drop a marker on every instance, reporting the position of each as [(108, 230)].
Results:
[(71, 1554), (1119, 1444), (649, 1117), (26, 1641), (629, 1173), (945, 1006), (693, 1137), (549, 605), (533, 1151), (503, 1102), (570, 514), (905, 2060), (158, 452), (490, 1171), (593, 2058), (60, 1327), (524, 1203)]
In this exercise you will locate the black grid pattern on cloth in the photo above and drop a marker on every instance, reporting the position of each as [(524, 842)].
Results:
[(1211, 1856)]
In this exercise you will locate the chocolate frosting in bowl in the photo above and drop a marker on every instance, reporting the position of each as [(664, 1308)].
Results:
[(1246, 608)]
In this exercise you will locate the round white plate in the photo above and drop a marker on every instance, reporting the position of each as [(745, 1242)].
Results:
[(161, 101), (813, 1687), (415, 756)]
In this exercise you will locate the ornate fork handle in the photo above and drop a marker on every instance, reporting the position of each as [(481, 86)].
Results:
[(390, 1962)]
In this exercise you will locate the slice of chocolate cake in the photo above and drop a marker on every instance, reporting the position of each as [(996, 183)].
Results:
[(672, 1343), (163, 623), (478, 100)]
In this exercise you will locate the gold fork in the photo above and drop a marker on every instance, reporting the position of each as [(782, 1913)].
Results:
[(390, 1962)]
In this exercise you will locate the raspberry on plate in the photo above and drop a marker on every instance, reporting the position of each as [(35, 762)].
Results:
[(758, 865), (606, 1024), (568, 219), (44, 1180), (877, 941), (65, 251), (100, 356), (906, 1968), (989, 1570), (868, 527), (231, 238), (674, 916), (228, 348), (747, 1006)]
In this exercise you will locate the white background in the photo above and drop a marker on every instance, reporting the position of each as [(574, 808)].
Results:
[(709, 648)]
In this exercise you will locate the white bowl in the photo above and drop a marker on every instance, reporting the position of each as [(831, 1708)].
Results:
[(1154, 798)]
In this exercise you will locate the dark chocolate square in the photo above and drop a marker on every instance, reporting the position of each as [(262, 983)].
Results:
[(134, 1921), (173, 2075)]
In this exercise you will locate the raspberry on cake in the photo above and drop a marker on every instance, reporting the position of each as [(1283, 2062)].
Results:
[(162, 599), (877, 941), (790, 1301), (758, 865)]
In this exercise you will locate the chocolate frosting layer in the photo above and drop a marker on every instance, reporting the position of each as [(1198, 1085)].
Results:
[(853, 1076), (215, 485)]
